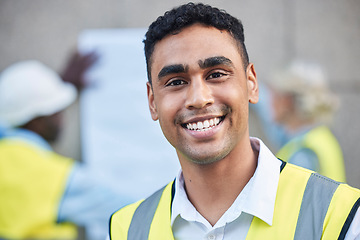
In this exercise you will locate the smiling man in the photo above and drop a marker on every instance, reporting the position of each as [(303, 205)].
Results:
[(230, 185)]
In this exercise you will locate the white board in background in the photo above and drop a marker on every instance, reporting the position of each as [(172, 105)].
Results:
[(121, 144)]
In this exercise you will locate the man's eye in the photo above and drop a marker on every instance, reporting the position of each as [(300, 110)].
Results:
[(176, 82), (215, 75)]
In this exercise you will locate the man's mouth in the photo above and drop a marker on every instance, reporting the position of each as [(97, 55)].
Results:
[(204, 125)]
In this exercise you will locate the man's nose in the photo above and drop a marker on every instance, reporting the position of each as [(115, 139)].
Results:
[(199, 94)]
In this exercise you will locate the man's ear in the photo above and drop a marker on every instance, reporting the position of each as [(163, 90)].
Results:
[(252, 84), (151, 102)]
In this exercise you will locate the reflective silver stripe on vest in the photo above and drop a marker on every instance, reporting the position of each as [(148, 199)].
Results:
[(140, 224), (316, 200)]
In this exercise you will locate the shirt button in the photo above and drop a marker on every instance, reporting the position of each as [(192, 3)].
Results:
[(211, 237)]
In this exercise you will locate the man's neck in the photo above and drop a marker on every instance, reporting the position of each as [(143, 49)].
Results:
[(214, 187)]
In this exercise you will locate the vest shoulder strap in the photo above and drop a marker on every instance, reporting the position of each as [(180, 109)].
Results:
[(135, 222), (120, 221), (307, 207), (143, 216)]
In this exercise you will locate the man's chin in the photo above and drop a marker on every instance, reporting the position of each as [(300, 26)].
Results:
[(207, 160)]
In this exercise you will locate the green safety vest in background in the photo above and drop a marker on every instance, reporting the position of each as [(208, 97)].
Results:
[(308, 206), (32, 182), (324, 144)]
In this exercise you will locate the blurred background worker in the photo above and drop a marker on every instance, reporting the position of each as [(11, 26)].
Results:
[(44, 195), (301, 107)]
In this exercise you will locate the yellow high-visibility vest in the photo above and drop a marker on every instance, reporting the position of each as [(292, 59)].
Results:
[(324, 144), (32, 182), (308, 206)]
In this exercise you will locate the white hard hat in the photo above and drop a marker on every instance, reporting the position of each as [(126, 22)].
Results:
[(29, 89), (299, 76), (307, 82)]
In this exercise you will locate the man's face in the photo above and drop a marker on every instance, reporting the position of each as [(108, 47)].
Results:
[(200, 93)]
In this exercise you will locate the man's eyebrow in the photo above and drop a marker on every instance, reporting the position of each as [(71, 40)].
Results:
[(171, 69), (214, 61)]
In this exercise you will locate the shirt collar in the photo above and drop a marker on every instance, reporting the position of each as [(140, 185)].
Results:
[(261, 201), (257, 198)]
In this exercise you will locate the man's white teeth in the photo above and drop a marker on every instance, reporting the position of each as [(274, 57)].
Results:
[(211, 122), (206, 124), (203, 126)]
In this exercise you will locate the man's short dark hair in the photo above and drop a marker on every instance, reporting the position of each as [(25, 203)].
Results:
[(178, 18)]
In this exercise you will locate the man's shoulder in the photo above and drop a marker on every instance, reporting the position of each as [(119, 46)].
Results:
[(126, 212), (293, 173)]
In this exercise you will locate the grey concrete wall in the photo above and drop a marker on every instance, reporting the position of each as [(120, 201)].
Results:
[(327, 31)]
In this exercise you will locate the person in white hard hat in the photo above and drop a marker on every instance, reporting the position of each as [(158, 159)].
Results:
[(295, 110), (32, 96), (43, 195)]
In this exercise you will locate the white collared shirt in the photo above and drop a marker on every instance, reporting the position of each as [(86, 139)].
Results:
[(256, 199)]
